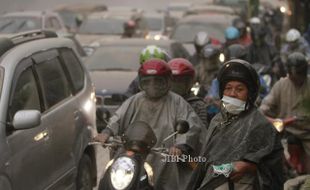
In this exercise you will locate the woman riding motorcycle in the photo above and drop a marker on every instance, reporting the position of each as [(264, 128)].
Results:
[(242, 148)]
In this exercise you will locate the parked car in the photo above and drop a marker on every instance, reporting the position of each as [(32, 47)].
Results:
[(189, 26), (115, 64), (47, 115), (22, 21)]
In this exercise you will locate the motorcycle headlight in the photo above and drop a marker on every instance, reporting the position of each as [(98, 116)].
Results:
[(122, 172)]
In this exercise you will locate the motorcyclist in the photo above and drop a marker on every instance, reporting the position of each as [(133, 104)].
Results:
[(161, 109), (232, 36), (183, 76), (240, 141), (129, 29), (294, 43), (264, 55), (245, 37), (150, 51), (208, 67), (285, 101), (201, 39)]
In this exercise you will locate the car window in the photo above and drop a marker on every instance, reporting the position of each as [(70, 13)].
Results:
[(48, 23), (102, 26), (19, 24), (185, 33), (154, 23), (115, 58), (25, 95), (53, 80), (55, 23), (74, 68)]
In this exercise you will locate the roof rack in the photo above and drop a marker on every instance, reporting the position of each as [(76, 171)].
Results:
[(10, 42)]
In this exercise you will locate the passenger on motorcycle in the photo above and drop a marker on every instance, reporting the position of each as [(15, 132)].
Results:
[(294, 43), (147, 53), (161, 109), (285, 101), (242, 148), (129, 29), (183, 75)]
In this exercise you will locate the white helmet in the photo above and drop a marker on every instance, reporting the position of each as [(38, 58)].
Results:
[(201, 39), (292, 35)]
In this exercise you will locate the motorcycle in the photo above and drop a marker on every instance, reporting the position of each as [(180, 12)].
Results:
[(293, 150), (128, 170)]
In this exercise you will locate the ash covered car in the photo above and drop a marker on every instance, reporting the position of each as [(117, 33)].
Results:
[(47, 115)]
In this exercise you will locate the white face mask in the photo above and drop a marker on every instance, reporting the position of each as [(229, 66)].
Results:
[(233, 105)]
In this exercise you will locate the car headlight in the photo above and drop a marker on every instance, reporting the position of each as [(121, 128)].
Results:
[(122, 172)]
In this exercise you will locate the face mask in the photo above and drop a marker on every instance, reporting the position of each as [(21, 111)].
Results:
[(233, 105), (154, 87)]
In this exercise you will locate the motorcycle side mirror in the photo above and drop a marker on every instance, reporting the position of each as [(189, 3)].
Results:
[(182, 127)]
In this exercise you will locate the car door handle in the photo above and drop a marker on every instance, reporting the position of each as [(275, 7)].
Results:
[(42, 135)]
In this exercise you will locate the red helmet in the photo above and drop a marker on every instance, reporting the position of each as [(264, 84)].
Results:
[(181, 67), (154, 67)]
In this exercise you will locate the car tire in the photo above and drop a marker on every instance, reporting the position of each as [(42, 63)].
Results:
[(84, 175)]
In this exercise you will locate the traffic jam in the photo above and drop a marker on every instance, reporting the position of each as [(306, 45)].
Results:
[(163, 95)]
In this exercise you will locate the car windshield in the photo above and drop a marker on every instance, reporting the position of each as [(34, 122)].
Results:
[(115, 58), (102, 26), (19, 24), (185, 33), (154, 23)]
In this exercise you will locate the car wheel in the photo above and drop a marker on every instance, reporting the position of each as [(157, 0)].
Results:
[(84, 176)]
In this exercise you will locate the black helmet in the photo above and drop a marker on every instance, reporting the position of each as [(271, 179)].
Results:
[(239, 70), (298, 62), (210, 51), (236, 51)]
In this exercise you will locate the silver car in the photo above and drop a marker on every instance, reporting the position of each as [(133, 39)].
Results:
[(47, 115)]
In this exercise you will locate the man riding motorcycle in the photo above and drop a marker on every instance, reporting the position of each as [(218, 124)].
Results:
[(161, 109), (285, 102), (294, 43), (264, 54), (242, 148)]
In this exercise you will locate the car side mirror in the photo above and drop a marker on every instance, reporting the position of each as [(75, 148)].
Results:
[(182, 127), (26, 119)]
